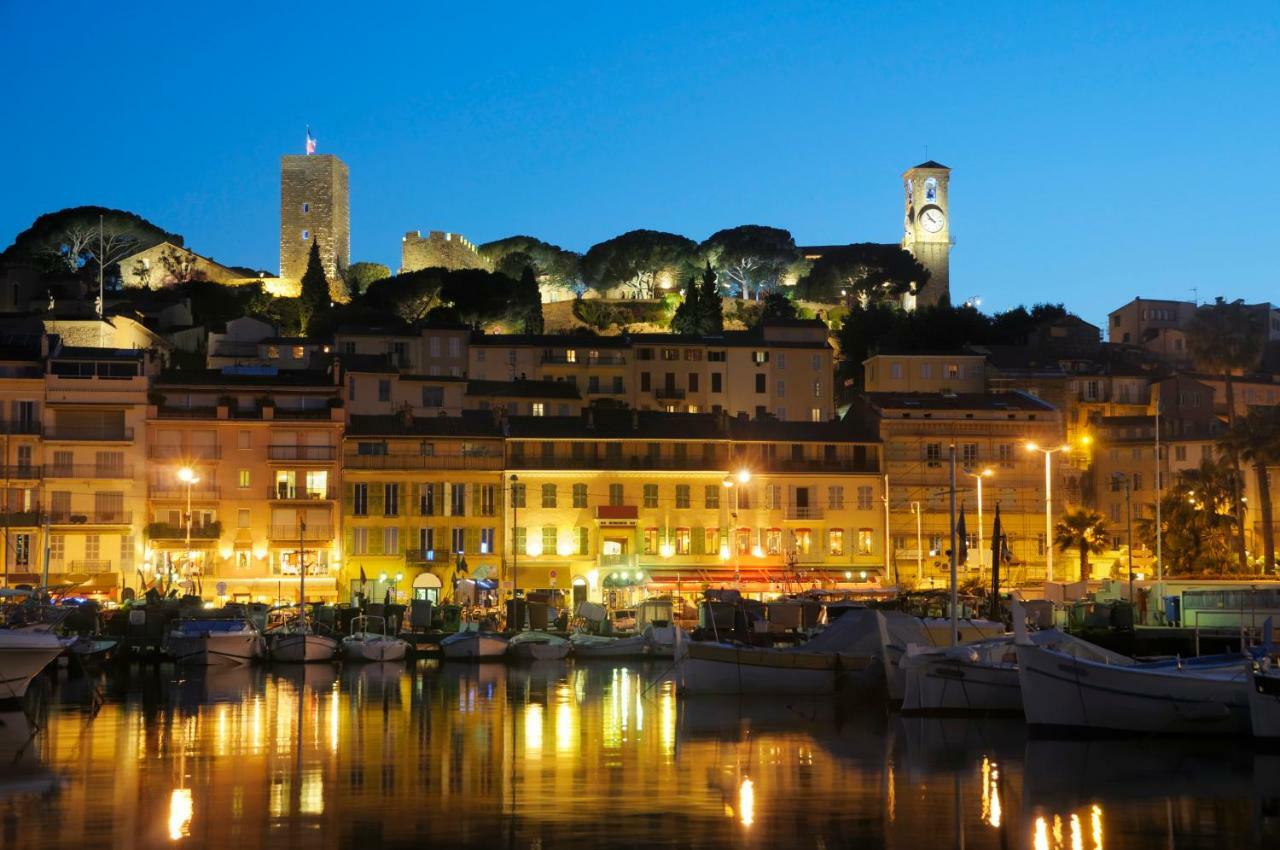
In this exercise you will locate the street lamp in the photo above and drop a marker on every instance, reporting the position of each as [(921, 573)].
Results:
[(188, 476), (978, 476), (1048, 503), (918, 511), (743, 477)]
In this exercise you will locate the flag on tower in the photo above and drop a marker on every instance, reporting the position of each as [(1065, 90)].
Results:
[(311, 142)]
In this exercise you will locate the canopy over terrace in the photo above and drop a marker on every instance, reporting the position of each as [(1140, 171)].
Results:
[(754, 579)]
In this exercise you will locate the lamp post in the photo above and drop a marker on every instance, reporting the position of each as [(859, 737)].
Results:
[(743, 476), (978, 476), (515, 553), (1048, 503), (916, 509), (188, 476), (1128, 516)]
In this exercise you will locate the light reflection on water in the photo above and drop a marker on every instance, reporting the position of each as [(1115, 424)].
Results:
[(558, 755)]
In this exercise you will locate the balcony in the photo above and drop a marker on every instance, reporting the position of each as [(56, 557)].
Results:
[(419, 461), (170, 531), (767, 465), (669, 393), (296, 494), (691, 464), (428, 556), (302, 413), (309, 533), (301, 453), (21, 519), (802, 512), (619, 562), (199, 493), (10, 427), (70, 517), (87, 470), (21, 472), (90, 565), (184, 453), (164, 412), (70, 434), (600, 389)]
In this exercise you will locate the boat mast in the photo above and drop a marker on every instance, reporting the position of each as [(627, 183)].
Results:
[(302, 572), (955, 623)]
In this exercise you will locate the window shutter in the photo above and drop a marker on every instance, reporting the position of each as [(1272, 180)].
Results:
[(375, 499), (438, 506), (375, 541), (348, 499), (443, 542), (416, 508), (473, 540), (697, 538), (475, 503)]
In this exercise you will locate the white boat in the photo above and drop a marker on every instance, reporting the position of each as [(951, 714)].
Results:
[(600, 646), (538, 646), (366, 645), (661, 639), (24, 653), (474, 646), (1199, 696), (1264, 702), (301, 644), (208, 640)]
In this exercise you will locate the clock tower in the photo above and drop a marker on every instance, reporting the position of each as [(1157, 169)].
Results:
[(927, 229)]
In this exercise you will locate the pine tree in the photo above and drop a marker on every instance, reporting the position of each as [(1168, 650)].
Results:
[(531, 301), (313, 300), (711, 305), (688, 317)]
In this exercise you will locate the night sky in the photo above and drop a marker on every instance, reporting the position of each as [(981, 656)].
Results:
[(1100, 151)]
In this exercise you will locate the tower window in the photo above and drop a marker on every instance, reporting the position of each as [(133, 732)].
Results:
[(306, 234), (306, 207), (931, 189)]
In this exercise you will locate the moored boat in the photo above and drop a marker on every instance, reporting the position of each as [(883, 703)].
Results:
[(302, 646), (213, 640), (601, 646), (365, 644), (24, 653), (1264, 702), (538, 646), (473, 645)]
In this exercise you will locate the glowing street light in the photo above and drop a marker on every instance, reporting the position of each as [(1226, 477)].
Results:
[(188, 476), (1048, 502), (978, 476)]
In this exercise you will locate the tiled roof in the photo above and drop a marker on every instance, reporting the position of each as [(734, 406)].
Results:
[(523, 389), (957, 401)]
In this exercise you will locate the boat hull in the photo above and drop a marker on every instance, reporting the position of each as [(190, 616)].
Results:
[(949, 685), (303, 649), (533, 651), (623, 647), (716, 668), (24, 658), (1264, 704), (377, 649), (474, 646), (214, 649), (1059, 690)]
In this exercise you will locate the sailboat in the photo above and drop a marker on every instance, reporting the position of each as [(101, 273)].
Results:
[(298, 641)]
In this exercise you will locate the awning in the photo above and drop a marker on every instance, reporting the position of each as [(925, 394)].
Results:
[(426, 580)]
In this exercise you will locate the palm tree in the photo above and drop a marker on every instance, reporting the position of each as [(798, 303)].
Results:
[(1255, 439), (1196, 520), (1083, 530), (1223, 338)]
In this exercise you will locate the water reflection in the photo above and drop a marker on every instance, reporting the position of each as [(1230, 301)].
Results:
[(554, 754)]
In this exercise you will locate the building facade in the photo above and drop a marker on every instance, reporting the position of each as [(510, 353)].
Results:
[(314, 207)]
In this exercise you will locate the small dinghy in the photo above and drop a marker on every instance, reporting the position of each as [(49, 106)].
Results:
[(600, 646), (538, 646), (471, 645)]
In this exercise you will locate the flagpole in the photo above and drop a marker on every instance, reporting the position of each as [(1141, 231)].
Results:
[(955, 622)]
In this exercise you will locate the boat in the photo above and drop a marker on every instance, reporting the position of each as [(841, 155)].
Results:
[(213, 640), (1264, 701), (601, 646), (366, 645), (472, 645), (538, 646), (24, 653), (1061, 687), (301, 643)]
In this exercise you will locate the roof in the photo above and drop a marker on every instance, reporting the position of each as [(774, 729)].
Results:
[(84, 352), (551, 340), (523, 389), (621, 424), (958, 401), (830, 431), (472, 423), (310, 378), (925, 352), (932, 163), (433, 379), (380, 363)]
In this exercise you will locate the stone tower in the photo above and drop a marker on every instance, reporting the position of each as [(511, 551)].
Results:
[(314, 205), (928, 228)]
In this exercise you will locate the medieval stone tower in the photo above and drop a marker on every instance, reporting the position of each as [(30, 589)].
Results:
[(928, 228), (314, 205)]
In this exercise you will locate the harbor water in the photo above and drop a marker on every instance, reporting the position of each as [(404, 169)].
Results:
[(581, 755)]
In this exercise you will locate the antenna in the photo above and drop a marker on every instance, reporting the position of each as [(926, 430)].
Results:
[(1195, 296)]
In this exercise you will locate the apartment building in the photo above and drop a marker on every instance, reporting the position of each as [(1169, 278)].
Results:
[(263, 447), (422, 503), (433, 349), (989, 431), (925, 372)]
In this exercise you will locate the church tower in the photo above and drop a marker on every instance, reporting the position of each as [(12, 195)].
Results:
[(314, 206), (928, 228)]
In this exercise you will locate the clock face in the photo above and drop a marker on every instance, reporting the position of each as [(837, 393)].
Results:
[(932, 219)]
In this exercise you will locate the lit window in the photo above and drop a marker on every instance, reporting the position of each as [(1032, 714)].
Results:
[(835, 541), (804, 541), (306, 207), (866, 540), (306, 235), (815, 414), (537, 408), (682, 541), (298, 352), (244, 479), (649, 544)]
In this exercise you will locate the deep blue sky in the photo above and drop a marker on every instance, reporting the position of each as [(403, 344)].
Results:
[(1100, 151)]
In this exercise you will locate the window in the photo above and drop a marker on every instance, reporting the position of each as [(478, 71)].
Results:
[(22, 549), (391, 541), (537, 409), (1179, 452), (579, 495), (835, 497), (717, 382), (682, 541), (593, 383), (360, 499), (1004, 452), (427, 543), (781, 388), (969, 453), (651, 495), (782, 360), (773, 541), (759, 357), (519, 539), (548, 495), (57, 547), (242, 518), (715, 356), (712, 495), (486, 539), (1137, 481), (670, 354), (804, 540), (817, 389), (306, 235), (584, 541), (649, 541), (615, 495), (866, 541), (458, 500), (864, 498), (693, 382), (773, 497), (433, 396), (384, 389), (835, 541), (548, 540), (458, 541), (243, 476), (682, 496), (427, 500), (92, 547), (306, 207), (488, 499), (930, 189), (390, 499), (761, 383), (933, 454)]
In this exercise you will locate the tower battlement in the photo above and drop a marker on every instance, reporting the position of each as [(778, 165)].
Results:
[(438, 249)]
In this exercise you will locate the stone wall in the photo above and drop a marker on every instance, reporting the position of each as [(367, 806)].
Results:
[(438, 250), (147, 269), (314, 205)]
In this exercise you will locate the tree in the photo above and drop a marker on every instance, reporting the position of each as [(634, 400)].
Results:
[(360, 276), (530, 299), (777, 306), (514, 264), (1223, 338), (314, 296), (1196, 519), (867, 272), (180, 266), (1255, 439), (688, 317), (1084, 531), (67, 240), (710, 304), (750, 260), (553, 265), (637, 262)]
